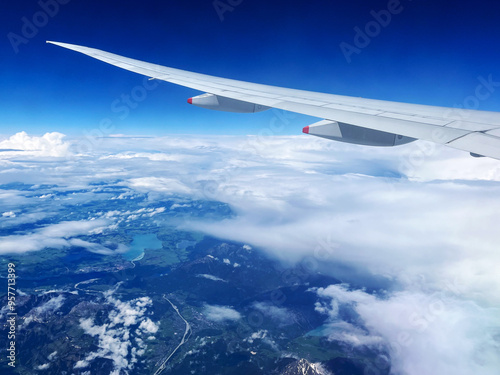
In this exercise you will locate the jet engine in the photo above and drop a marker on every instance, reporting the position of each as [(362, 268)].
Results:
[(221, 103), (339, 131)]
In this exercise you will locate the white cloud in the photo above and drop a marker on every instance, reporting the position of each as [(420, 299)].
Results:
[(150, 156), (452, 335), (69, 229), (159, 184), (176, 205), (55, 235), (50, 144), (128, 313), (280, 314), (259, 335), (51, 305), (97, 248), (422, 230), (43, 311), (148, 326), (52, 355), (265, 337), (126, 324), (221, 313), (211, 277), (81, 364)]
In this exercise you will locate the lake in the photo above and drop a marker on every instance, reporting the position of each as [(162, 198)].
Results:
[(140, 243)]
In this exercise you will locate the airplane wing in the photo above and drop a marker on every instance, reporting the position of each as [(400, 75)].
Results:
[(346, 119)]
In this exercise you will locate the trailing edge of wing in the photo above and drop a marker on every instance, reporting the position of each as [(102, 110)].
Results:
[(473, 131)]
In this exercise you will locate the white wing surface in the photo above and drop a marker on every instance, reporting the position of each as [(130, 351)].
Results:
[(347, 119)]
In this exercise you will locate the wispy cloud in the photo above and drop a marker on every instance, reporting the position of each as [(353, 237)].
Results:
[(55, 236), (221, 313), (211, 277), (44, 310), (279, 314)]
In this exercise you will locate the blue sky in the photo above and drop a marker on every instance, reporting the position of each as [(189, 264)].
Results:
[(429, 53)]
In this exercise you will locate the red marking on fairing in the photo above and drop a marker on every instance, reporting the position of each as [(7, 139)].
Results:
[(190, 100), (306, 130)]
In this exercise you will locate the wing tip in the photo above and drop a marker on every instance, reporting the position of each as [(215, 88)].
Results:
[(54, 43), (64, 45)]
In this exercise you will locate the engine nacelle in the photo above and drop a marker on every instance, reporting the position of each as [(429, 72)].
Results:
[(341, 132), (221, 103)]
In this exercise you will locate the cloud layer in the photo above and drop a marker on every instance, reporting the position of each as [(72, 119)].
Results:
[(418, 219)]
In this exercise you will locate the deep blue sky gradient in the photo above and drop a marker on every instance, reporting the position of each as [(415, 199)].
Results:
[(431, 53)]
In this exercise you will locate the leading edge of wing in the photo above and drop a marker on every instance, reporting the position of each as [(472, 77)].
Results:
[(429, 123)]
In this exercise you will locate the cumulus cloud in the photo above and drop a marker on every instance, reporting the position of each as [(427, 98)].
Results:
[(148, 326), (121, 337), (50, 144), (221, 313)]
